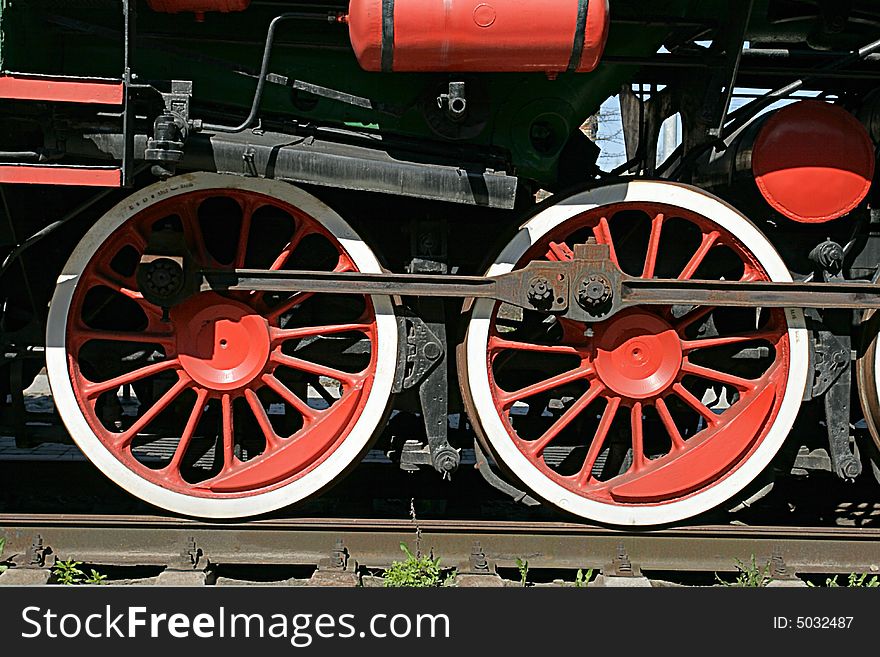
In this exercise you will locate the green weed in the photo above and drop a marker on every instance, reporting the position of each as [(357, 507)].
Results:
[(523, 566), (69, 573), (422, 571), (853, 581), (749, 575), (582, 579)]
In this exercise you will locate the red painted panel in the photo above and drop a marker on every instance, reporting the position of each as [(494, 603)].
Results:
[(813, 162), (480, 35), (23, 87), (58, 175)]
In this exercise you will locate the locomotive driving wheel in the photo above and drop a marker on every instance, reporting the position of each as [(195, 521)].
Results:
[(657, 413), (225, 404), (868, 385)]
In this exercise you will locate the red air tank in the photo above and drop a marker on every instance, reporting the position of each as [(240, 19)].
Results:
[(479, 36), (813, 162), (197, 6)]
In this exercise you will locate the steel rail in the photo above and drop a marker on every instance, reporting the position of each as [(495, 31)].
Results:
[(153, 540)]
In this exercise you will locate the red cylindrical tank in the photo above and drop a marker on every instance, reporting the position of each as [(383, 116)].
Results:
[(813, 162), (197, 6), (490, 36)]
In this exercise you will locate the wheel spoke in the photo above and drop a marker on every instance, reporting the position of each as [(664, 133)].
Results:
[(508, 398), (500, 344), (189, 214), (602, 232), (279, 335), (685, 395), (653, 247), (301, 231), (301, 297), (707, 343), (668, 422), (188, 431), (537, 448), (281, 259), (117, 286), (228, 432), (586, 472), (153, 312), (262, 418), (138, 241), (308, 413), (709, 240), (125, 438), (312, 368), (638, 438), (83, 334), (92, 390), (718, 376), (694, 315), (247, 214)]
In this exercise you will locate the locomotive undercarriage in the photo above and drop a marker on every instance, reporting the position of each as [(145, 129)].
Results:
[(634, 352)]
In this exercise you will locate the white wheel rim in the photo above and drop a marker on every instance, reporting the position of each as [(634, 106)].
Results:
[(315, 480), (476, 346)]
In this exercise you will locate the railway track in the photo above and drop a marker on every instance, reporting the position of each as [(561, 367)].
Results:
[(471, 546)]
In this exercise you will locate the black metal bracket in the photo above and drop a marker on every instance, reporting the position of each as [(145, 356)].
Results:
[(38, 555), (421, 353), (832, 361), (430, 348), (485, 469), (335, 95)]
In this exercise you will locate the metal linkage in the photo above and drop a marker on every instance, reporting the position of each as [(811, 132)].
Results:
[(590, 288)]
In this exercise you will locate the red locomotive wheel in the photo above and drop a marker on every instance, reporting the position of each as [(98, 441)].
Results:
[(657, 413), (226, 404)]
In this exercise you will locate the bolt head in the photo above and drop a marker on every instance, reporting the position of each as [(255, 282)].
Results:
[(594, 291), (540, 291)]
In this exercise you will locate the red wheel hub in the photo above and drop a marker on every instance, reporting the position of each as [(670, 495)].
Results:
[(222, 344), (638, 355)]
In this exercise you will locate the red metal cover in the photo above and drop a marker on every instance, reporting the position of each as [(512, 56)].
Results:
[(813, 162), (197, 6), (479, 35)]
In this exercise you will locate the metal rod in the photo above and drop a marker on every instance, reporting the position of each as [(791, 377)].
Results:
[(633, 291), (764, 294), (261, 81), (742, 115), (429, 285)]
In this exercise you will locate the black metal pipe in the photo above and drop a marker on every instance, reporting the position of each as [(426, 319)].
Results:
[(261, 81)]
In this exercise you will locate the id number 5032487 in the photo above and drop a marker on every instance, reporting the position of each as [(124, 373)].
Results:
[(812, 622)]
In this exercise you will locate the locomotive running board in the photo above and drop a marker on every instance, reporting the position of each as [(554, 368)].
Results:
[(565, 288)]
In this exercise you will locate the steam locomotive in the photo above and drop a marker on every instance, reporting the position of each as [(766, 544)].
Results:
[(250, 240)]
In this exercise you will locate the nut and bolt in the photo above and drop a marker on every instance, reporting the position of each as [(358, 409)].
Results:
[(164, 277), (540, 292), (595, 291)]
